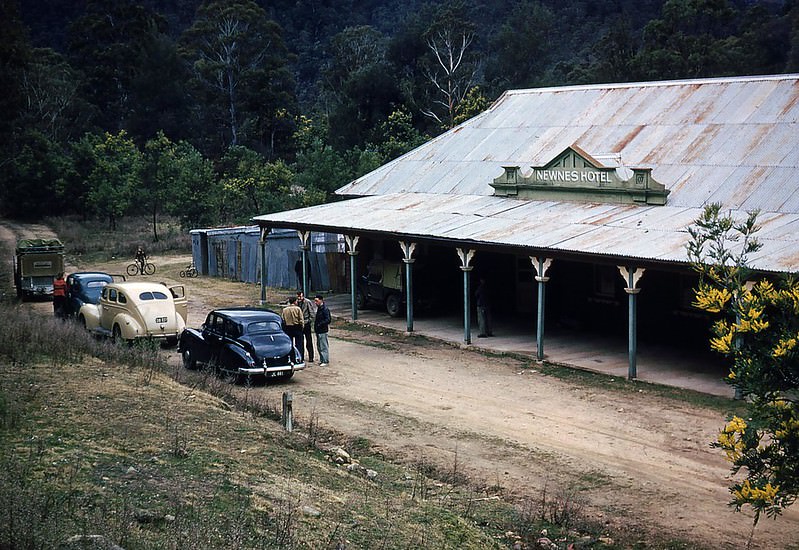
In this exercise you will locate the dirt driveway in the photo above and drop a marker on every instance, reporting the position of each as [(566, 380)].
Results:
[(632, 459)]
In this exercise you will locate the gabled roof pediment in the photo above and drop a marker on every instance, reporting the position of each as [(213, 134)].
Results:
[(575, 175)]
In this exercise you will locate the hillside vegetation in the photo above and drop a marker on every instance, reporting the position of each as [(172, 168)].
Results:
[(217, 111)]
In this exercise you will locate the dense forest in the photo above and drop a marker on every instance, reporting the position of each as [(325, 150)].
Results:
[(219, 110)]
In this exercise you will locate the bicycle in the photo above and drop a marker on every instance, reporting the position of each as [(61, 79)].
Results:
[(189, 272), (141, 268)]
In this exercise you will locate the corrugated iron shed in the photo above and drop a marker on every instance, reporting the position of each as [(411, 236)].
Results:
[(728, 140)]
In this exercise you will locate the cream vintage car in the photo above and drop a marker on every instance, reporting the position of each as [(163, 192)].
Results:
[(127, 311)]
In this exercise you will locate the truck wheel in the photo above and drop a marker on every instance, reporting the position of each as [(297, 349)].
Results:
[(360, 300), (393, 305), (189, 361)]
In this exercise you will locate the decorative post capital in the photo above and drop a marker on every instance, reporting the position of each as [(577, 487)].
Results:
[(407, 252), (631, 276), (304, 239), (352, 244), (465, 258), (541, 266)]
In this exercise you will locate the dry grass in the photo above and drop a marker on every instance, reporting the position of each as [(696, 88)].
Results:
[(107, 440)]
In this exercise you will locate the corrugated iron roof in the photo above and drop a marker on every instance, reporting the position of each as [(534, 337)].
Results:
[(657, 233), (728, 140)]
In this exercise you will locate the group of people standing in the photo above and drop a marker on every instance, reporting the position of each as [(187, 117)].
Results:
[(302, 318)]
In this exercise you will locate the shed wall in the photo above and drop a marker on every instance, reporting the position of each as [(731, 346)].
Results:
[(235, 253)]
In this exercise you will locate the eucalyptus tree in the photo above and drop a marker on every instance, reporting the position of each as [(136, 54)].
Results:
[(451, 66), (239, 65), (54, 105)]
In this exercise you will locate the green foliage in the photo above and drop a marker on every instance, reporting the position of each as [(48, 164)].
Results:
[(473, 103), (759, 332), (176, 179), (321, 167), (359, 85), (253, 186), (395, 137), (15, 55), (160, 97), (30, 181), (520, 48), (113, 176), (229, 80), (692, 38), (196, 188)]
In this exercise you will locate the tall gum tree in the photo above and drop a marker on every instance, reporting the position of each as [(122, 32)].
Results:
[(237, 54)]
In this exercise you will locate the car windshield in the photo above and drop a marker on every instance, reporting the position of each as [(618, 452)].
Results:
[(155, 295), (263, 326)]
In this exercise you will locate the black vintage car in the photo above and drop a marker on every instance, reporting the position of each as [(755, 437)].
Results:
[(244, 343)]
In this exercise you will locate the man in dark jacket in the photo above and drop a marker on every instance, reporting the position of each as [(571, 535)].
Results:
[(308, 313), (321, 327)]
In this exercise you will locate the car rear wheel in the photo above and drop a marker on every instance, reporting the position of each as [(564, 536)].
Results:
[(116, 335), (393, 305), (189, 361)]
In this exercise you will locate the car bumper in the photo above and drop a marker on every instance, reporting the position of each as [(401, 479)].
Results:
[(271, 372)]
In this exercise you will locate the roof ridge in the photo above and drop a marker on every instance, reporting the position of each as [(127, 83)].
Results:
[(658, 83)]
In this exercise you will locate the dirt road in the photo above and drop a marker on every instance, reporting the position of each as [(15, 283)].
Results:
[(632, 459)]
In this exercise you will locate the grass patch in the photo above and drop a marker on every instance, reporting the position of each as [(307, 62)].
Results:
[(86, 242)]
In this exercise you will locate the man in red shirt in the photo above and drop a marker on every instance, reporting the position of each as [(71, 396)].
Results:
[(59, 296)]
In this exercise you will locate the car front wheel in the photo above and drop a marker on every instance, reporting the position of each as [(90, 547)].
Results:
[(116, 335), (189, 361)]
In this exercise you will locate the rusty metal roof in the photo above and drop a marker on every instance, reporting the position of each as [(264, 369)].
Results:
[(650, 233), (728, 140)]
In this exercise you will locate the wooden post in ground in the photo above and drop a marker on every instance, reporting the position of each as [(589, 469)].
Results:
[(288, 414)]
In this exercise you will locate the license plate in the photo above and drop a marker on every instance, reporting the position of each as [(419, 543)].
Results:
[(160, 319), (273, 374)]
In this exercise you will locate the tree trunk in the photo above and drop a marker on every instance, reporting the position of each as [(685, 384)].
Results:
[(155, 225)]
